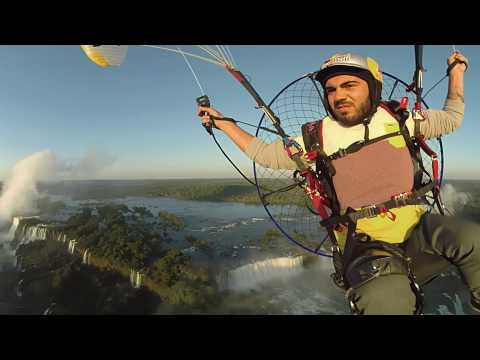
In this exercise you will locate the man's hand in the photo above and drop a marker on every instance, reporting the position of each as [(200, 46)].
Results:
[(459, 68), (239, 136), (455, 78), (216, 115)]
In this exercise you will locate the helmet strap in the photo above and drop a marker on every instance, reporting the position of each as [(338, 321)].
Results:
[(366, 122)]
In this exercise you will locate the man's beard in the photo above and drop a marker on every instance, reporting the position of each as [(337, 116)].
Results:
[(356, 117)]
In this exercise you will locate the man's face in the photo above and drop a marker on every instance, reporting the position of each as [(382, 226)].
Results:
[(348, 98)]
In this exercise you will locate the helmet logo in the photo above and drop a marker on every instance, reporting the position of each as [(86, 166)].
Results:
[(339, 58), (374, 69)]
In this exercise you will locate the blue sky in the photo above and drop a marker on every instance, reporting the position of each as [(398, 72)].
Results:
[(143, 112)]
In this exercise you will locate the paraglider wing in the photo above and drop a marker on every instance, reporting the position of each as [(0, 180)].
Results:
[(106, 55)]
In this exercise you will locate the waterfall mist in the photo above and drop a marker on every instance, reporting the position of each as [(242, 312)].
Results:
[(20, 192), (454, 200), (281, 286)]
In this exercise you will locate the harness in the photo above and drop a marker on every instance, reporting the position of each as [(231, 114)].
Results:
[(319, 187)]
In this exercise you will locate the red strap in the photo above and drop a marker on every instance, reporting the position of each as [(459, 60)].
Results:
[(316, 193), (425, 147), (432, 154), (318, 205), (389, 214), (311, 155), (235, 74), (435, 169), (385, 107)]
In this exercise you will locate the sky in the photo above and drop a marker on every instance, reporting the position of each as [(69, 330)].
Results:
[(140, 117)]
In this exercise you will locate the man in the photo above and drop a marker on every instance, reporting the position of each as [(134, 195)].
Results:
[(385, 253)]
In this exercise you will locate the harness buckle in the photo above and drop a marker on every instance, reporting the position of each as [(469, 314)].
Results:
[(418, 115), (401, 199), (370, 211)]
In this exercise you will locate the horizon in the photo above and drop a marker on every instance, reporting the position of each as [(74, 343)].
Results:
[(193, 178)]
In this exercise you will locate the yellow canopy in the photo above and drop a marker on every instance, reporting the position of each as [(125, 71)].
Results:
[(106, 55)]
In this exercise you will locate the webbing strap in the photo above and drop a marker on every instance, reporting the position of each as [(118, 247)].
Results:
[(414, 198), (356, 146)]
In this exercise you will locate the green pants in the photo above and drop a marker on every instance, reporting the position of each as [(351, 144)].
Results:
[(435, 243)]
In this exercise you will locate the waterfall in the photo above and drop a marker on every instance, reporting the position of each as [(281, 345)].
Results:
[(50, 309), (28, 234), (71, 246), (32, 233), (135, 279), (131, 277), (86, 257), (18, 262), (13, 228), (25, 234), (138, 283), (251, 276), (62, 237), (19, 290)]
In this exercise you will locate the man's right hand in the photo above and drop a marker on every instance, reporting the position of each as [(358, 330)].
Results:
[(206, 112), (239, 136)]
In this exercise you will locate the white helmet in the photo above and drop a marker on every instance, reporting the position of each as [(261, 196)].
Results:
[(356, 65)]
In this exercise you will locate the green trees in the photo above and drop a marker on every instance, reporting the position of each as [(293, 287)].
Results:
[(170, 274), (268, 239), (79, 219), (230, 190), (112, 214), (171, 220), (179, 282), (170, 267), (201, 245), (119, 244)]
